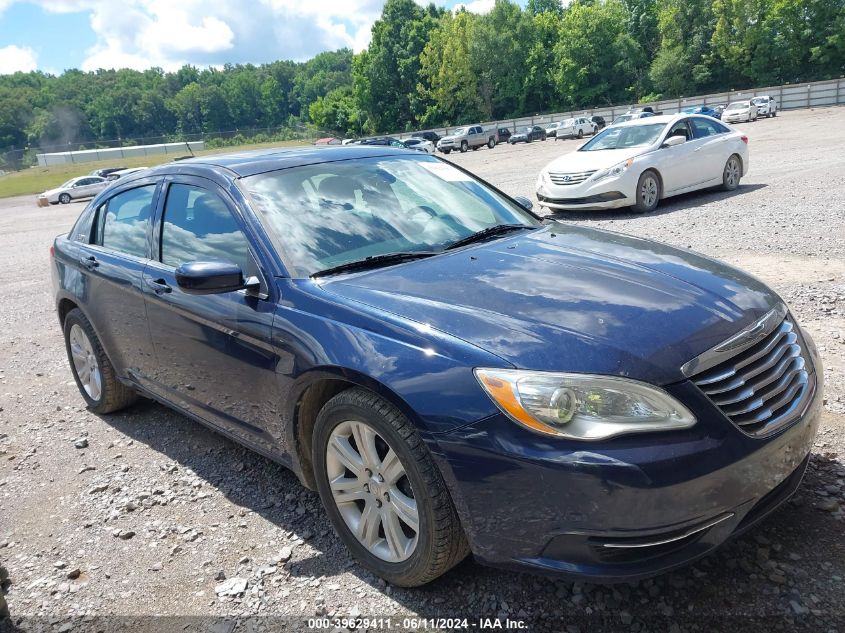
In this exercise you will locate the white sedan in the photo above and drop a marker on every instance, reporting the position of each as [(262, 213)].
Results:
[(638, 163), (575, 128), (419, 145), (73, 189), (740, 111)]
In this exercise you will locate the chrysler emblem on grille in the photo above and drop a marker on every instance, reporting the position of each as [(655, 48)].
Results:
[(752, 333)]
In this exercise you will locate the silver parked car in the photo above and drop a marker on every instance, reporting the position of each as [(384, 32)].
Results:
[(73, 189)]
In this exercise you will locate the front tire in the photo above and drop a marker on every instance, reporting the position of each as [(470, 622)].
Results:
[(92, 370), (382, 491), (648, 192), (64, 198), (464, 147), (732, 173), (580, 133)]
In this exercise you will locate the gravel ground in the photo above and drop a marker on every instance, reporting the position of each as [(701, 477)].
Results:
[(105, 521)]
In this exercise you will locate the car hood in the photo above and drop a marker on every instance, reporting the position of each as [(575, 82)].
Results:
[(590, 161), (52, 192), (572, 299)]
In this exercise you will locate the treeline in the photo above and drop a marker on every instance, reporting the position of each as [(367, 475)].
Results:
[(427, 66)]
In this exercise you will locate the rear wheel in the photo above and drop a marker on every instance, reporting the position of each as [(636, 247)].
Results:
[(491, 143), (64, 198), (732, 173), (648, 192), (95, 377), (382, 491)]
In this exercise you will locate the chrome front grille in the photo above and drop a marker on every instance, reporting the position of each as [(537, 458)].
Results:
[(560, 178), (763, 385)]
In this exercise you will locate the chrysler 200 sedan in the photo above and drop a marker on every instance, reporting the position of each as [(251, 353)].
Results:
[(450, 373)]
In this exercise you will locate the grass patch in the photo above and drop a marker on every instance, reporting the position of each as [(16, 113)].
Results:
[(34, 180)]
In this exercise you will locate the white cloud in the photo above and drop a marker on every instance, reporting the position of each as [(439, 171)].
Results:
[(144, 33), (477, 6), (15, 58)]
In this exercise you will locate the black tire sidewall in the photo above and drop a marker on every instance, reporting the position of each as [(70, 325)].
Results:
[(329, 418)]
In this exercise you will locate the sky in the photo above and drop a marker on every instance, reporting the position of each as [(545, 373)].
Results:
[(54, 35)]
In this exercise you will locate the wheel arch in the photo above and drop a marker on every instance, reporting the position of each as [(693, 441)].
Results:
[(312, 392)]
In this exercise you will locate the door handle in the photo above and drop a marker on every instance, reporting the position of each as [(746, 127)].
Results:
[(90, 262), (159, 286)]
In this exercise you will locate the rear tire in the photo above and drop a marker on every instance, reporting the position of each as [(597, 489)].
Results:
[(491, 143), (92, 370), (648, 192), (362, 489), (732, 173)]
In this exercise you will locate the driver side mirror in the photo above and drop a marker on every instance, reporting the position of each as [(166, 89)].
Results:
[(524, 202), (212, 277), (674, 140)]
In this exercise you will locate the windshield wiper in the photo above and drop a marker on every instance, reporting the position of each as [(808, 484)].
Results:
[(498, 229), (374, 261)]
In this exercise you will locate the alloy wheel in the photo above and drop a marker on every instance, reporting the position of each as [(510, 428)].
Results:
[(648, 191), (732, 172), (85, 363), (372, 491)]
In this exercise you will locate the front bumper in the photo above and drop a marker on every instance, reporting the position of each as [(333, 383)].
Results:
[(623, 509), (607, 193)]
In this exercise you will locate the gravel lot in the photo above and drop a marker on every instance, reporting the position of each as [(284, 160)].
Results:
[(147, 513)]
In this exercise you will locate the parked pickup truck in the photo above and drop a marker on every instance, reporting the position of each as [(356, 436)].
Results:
[(469, 137), (766, 106)]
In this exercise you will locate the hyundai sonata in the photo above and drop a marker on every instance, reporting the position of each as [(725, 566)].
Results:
[(449, 372), (636, 164)]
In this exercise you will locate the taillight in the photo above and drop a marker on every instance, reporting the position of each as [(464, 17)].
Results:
[(744, 139), (52, 251)]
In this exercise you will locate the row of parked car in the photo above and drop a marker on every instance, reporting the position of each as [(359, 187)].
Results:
[(474, 137), (84, 186)]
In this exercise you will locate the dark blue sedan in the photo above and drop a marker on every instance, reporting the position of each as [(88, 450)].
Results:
[(450, 373), (705, 110)]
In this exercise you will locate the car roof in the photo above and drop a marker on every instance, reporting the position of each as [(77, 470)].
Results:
[(252, 162)]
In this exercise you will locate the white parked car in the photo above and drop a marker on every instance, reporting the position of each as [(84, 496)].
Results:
[(419, 145), (575, 128), (740, 111), (638, 163), (73, 189), (766, 106), (551, 129)]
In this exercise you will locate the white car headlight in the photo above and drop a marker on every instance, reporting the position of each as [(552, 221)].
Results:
[(582, 406), (616, 170)]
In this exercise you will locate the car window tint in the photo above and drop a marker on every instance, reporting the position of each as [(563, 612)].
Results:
[(127, 217), (702, 128), (198, 226)]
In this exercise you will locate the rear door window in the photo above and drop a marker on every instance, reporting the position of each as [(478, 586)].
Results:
[(124, 221), (702, 128)]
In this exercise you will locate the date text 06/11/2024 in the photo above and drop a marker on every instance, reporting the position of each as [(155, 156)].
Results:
[(419, 624)]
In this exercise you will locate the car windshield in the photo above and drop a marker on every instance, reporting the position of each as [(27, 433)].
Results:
[(623, 118), (460, 131), (758, 100), (329, 214), (738, 105), (624, 137), (568, 123), (69, 183)]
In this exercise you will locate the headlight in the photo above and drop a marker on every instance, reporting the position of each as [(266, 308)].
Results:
[(616, 170), (582, 406)]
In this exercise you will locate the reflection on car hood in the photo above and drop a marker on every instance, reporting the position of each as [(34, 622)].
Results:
[(575, 162), (51, 192), (571, 298)]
